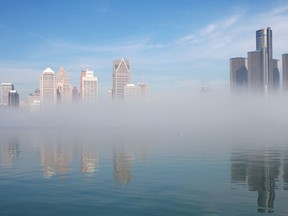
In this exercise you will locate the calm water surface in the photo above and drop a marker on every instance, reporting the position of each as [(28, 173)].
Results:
[(140, 171)]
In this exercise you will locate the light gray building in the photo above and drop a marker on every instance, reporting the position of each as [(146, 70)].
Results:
[(238, 74), (255, 75), (63, 85), (5, 89), (276, 74), (48, 87), (89, 85), (121, 77), (264, 44), (13, 99), (285, 71)]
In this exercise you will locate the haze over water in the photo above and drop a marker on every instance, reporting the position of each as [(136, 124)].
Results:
[(206, 155)]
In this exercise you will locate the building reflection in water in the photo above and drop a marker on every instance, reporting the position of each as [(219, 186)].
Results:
[(89, 159), (260, 171), (10, 150), (55, 158), (285, 171), (122, 164)]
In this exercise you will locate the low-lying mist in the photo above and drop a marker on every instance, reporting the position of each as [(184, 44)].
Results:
[(177, 110)]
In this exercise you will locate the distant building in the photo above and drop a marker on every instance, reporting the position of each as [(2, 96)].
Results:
[(276, 74), (132, 91), (33, 97), (13, 99), (142, 89), (255, 75), (48, 87), (238, 74), (63, 85), (262, 71), (5, 89), (34, 100), (89, 86), (83, 74), (264, 44), (285, 71), (121, 77), (110, 95)]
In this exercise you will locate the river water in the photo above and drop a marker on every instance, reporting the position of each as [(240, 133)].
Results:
[(142, 171)]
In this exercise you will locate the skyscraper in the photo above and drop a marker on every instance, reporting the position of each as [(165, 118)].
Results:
[(63, 85), (263, 70), (276, 74), (5, 89), (121, 77), (285, 71), (89, 86), (264, 44), (255, 75), (238, 73), (48, 87), (13, 99)]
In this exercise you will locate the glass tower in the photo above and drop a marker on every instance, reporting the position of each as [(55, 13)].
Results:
[(264, 44)]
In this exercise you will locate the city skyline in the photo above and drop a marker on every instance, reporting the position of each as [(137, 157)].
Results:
[(185, 49), (259, 72)]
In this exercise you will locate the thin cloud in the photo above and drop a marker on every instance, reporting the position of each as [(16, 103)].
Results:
[(209, 31)]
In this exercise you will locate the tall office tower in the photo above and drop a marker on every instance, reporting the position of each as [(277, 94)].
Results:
[(48, 87), (285, 71), (63, 85), (13, 99), (238, 74), (5, 89), (276, 74), (121, 77), (255, 75), (264, 44), (89, 86)]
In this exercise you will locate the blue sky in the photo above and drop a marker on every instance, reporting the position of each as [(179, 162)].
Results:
[(169, 43)]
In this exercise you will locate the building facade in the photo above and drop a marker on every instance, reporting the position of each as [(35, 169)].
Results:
[(48, 87), (13, 99), (138, 91), (89, 86), (276, 74), (264, 44), (121, 77), (255, 75), (5, 89), (63, 85), (285, 71), (238, 74)]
